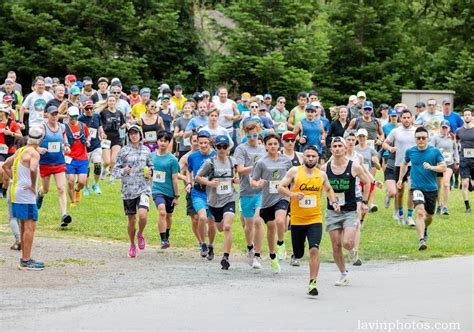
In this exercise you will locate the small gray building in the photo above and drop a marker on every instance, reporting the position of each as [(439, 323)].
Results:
[(411, 97)]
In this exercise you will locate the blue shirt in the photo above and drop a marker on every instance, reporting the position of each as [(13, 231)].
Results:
[(386, 130), (326, 124), (455, 121), (195, 161), (312, 131), (93, 122), (421, 178), (163, 169), (197, 122)]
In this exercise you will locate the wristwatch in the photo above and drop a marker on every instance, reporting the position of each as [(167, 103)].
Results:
[(176, 196), (365, 202)]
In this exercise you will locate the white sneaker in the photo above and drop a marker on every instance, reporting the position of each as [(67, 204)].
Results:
[(395, 216), (281, 252), (401, 220), (294, 261), (343, 281), (410, 222), (355, 260), (257, 262), (112, 179), (373, 208), (386, 202), (251, 256)]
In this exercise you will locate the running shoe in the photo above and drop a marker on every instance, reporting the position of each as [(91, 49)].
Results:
[(250, 256), (354, 255), (281, 252), (204, 249), (275, 265), (112, 179), (386, 202), (132, 252), (96, 188), (141, 241), (86, 191), (456, 184), (165, 244), (422, 244), (410, 222), (30, 265), (343, 280), (395, 216), (39, 200), (257, 262), (401, 220), (312, 290), (445, 211), (225, 263), (210, 254), (468, 210), (16, 246), (66, 220), (73, 204), (373, 208), (294, 261), (438, 210), (425, 234)]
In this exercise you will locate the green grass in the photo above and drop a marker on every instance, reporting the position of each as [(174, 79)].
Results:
[(76, 261), (102, 217)]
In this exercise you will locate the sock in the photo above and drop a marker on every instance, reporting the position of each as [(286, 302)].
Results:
[(467, 204), (4, 192), (273, 256), (250, 247), (362, 221), (410, 213), (311, 280), (343, 274), (163, 236), (226, 255), (167, 233), (400, 212), (257, 254), (279, 243), (210, 246)]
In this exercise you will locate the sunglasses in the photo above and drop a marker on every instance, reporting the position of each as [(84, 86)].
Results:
[(152, 106), (290, 140), (54, 114), (253, 106), (310, 111), (431, 105), (73, 116), (421, 138), (282, 102), (252, 135), (116, 93), (222, 147), (88, 108)]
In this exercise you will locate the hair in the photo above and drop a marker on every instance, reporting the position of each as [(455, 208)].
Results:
[(101, 105), (421, 130), (269, 137), (302, 94), (35, 135), (213, 110), (251, 125), (467, 109), (164, 134), (38, 78), (194, 133), (311, 147), (21, 141), (405, 111), (312, 93)]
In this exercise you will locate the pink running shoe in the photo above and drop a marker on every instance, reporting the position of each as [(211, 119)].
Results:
[(141, 241), (132, 252)]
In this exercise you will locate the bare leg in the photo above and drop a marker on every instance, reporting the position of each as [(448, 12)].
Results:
[(314, 263), (271, 230), (28, 227), (336, 240), (131, 228)]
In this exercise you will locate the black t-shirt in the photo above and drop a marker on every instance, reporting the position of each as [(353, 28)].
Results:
[(95, 97), (111, 122)]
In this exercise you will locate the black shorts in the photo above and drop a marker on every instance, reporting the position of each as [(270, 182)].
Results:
[(299, 234), (166, 200), (4, 157), (440, 175), (268, 214), (218, 213), (389, 174), (189, 206), (428, 200), (397, 174), (130, 205), (466, 168)]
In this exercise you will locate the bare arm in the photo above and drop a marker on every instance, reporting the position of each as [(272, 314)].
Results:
[(286, 182), (403, 171), (351, 124), (291, 118), (358, 170), (7, 166)]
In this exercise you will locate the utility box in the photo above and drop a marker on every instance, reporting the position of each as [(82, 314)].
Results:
[(411, 97)]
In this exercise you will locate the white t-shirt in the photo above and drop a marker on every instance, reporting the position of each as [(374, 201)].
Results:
[(218, 131), (226, 108), (403, 139), (36, 104)]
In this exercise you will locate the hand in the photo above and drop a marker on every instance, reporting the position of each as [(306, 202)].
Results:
[(261, 183), (175, 201), (236, 180), (88, 144), (393, 149), (41, 150), (150, 173), (32, 188), (378, 142), (298, 195), (127, 170), (399, 184), (336, 207), (67, 150), (456, 166), (103, 136), (426, 166), (22, 126), (213, 183), (8, 132), (323, 142), (302, 140), (188, 187), (229, 117), (364, 208), (379, 184)]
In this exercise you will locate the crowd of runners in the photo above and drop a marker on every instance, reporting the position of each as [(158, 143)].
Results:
[(253, 154)]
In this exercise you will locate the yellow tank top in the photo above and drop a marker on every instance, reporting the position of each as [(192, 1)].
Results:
[(308, 210)]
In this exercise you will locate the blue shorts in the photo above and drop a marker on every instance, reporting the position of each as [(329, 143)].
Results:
[(24, 211), (248, 205), (199, 200), (77, 167), (163, 199)]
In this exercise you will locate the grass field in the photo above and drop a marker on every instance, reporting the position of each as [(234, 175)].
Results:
[(101, 217)]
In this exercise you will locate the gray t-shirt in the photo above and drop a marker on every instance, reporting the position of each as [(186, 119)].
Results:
[(247, 155), (183, 144), (215, 169), (447, 146), (466, 139), (367, 153), (403, 139), (273, 171)]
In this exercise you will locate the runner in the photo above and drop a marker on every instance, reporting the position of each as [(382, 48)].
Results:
[(9, 130), (298, 113), (34, 105), (164, 189), (180, 124), (151, 124), (307, 182), (388, 163), (214, 128), (280, 116), (218, 175), (368, 122), (102, 93), (165, 113), (22, 167), (426, 161), (465, 135), (199, 121), (140, 108), (228, 112), (431, 118), (310, 130), (133, 166), (289, 139), (339, 124), (266, 176), (342, 226)]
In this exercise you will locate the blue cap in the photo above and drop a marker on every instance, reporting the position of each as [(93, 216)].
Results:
[(310, 107), (145, 91), (445, 123), (392, 112), (75, 91), (204, 133), (221, 139), (251, 119), (79, 84), (165, 97), (383, 106), (368, 105), (267, 95)]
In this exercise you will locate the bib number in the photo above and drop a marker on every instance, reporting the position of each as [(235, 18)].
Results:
[(67, 159), (93, 132), (150, 136), (144, 201), (371, 143), (447, 157), (282, 127), (3, 149), (105, 144), (187, 141), (340, 198), (159, 176), (274, 187), (468, 153), (308, 202), (418, 196), (224, 188), (54, 147)]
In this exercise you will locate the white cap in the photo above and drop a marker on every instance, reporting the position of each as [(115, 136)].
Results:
[(5, 108), (73, 111), (259, 97), (164, 86), (352, 97), (362, 132)]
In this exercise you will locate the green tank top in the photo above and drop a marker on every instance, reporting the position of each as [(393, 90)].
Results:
[(298, 115)]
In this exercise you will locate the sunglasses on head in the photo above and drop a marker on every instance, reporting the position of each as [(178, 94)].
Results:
[(252, 135), (290, 140), (222, 147)]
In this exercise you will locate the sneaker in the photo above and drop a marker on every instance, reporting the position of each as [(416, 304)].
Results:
[(422, 245), (373, 208), (425, 234), (294, 261), (86, 191), (102, 174), (73, 205), (96, 188), (468, 210), (355, 260), (165, 244), (438, 210), (210, 254), (395, 216), (204, 250), (112, 179), (250, 256), (401, 220), (141, 241), (30, 265), (386, 202), (257, 262), (456, 184), (77, 196), (343, 280), (16, 246), (275, 265), (225, 263), (312, 290), (281, 252), (39, 200), (66, 220), (132, 252), (445, 211), (410, 222)]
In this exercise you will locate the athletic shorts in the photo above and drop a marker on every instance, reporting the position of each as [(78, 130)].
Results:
[(397, 174), (115, 140), (299, 234), (4, 157), (166, 200), (199, 200), (151, 146), (46, 170), (440, 175), (95, 156), (343, 219), (130, 205), (268, 214), (189, 206), (428, 199), (219, 213), (372, 186), (249, 204), (389, 174), (23, 211), (466, 168), (77, 167)]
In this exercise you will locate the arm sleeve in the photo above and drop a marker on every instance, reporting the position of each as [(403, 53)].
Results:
[(175, 166)]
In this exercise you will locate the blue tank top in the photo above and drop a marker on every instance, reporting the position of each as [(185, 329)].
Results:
[(166, 119), (53, 141), (312, 131)]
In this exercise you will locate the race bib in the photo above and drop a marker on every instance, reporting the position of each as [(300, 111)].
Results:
[(144, 201), (150, 136), (224, 188), (187, 141), (371, 143), (273, 189), (93, 132), (67, 159), (105, 144), (418, 196), (308, 202), (282, 127), (468, 153), (448, 157), (340, 198), (3, 149), (122, 132), (159, 176), (54, 146)]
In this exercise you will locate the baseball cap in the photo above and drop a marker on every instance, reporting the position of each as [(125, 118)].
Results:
[(52, 109), (164, 97), (205, 93), (103, 79), (134, 88), (361, 94), (267, 95), (71, 77), (115, 82), (79, 84), (9, 81), (5, 108), (310, 107), (56, 80), (259, 97), (446, 101), (204, 133), (75, 91), (87, 82), (288, 135), (349, 132), (178, 87), (392, 112), (445, 123), (145, 91), (245, 96), (166, 91), (338, 139), (73, 111), (87, 103), (362, 132), (48, 81), (368, 105), (420, 104), (251, 119), (353, 97), (221, 139), (163, 86), (384, 106), (135, 128), (7, 98)]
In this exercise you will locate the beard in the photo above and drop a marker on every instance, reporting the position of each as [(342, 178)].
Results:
[(310, 165)]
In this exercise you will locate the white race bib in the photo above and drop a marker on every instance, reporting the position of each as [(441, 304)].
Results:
[(67, 159), (367, 167), (3, 149), (54, 146), (105, 144), (448, 157), (282, 127), (159, 176), (93, 132), (224, 188), (273, 189), (340, 198), (371, 143), (150, 136), (468, 153), (144, 201), (418, 196), (308, 202), (187, 141)]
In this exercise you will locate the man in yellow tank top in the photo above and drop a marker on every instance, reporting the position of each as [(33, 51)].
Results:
[(306, 183)]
